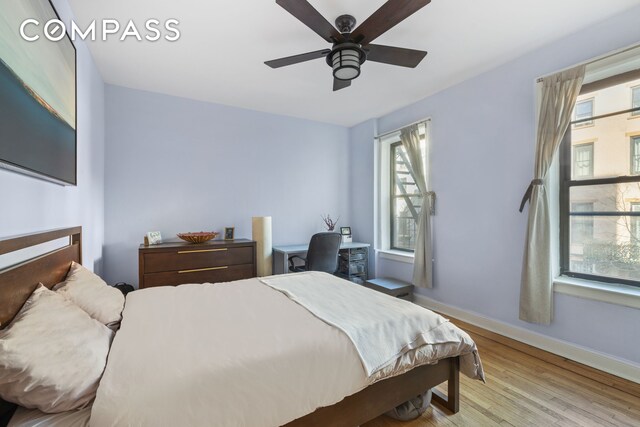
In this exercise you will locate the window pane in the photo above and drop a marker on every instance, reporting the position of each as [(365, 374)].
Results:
[(603, 150), (583, 161), (635, 222), (635, 100), (405, 225), (581, 227), (605, 245), (406, 200), (635, 155), (583, 110)]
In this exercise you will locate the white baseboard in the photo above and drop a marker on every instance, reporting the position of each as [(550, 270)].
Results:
[(616, 366)]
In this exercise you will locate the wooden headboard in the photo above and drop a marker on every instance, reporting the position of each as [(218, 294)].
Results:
[(19, 281)]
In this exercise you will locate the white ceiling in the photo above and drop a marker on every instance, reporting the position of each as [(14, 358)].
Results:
[(219, 57)]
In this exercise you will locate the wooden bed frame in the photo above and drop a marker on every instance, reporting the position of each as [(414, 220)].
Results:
[(19, 281)]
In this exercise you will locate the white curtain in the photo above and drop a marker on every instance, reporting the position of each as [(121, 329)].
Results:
[(418, 155), (559, 94)]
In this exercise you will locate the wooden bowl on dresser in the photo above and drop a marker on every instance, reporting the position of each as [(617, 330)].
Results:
[(199, 237)]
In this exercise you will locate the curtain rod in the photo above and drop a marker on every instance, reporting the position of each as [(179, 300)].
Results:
[(591, 61), (405, 126)]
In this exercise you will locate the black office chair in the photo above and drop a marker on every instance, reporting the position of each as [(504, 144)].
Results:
[(322, 254)]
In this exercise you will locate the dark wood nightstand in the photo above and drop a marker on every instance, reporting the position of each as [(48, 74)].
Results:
[(175, 263), (393, 287)]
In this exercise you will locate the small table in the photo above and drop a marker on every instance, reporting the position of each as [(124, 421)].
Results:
[(282, 253), (393, 287)]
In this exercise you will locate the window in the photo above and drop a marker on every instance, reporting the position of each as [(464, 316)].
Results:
[(635, 155), (582, 161), (400, 199), (583, 110), (635, 100), (599, 216), (406, 201), (635, 222)]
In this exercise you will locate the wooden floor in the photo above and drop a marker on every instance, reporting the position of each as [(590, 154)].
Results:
[(523, 390)]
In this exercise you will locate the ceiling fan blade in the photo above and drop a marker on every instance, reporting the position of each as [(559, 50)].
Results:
[(389, 15), (290, 60), (340, 84), (309, 16), (394, 55)]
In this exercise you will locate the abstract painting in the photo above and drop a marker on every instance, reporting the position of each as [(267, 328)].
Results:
[(37, 96)]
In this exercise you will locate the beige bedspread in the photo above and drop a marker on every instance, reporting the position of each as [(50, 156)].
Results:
[(229, 354), (382, 328)]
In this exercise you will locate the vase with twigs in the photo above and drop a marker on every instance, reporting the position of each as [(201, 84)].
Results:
[(329, 222)]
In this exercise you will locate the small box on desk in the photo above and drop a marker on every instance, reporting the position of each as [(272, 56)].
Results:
[(393, 287)]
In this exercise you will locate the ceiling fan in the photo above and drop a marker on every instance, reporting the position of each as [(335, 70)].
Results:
[(352, 47)]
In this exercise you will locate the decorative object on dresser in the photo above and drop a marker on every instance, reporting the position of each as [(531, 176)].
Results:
[(229, 233), (152, 238), (198, 237), (395, 288), (261, 233), (176, 263)]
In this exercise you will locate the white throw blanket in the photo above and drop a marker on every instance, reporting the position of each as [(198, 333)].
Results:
[(382, 328)]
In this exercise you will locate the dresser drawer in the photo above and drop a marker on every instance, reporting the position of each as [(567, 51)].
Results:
[(212, 274), (193, 258)]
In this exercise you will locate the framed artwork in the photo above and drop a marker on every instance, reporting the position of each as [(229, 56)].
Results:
[(229, 233), (346, 234), (37, 97), (154, 237)]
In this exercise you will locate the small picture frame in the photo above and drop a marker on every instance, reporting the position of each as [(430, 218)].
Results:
[(229, 233), (346, 234), (154, 237)]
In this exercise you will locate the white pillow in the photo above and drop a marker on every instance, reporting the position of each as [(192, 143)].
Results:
[(52, 354), (89, 292)]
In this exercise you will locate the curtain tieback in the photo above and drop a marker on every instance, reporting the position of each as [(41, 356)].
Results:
[(527, 195)]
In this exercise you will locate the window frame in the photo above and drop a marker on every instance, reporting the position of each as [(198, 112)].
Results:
[(567, 181)]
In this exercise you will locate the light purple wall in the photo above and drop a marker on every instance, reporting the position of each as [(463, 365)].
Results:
[(178, 165), (483, 144), (30, 205), (362, 182)]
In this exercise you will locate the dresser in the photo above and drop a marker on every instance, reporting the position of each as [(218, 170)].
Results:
[(175, 263)]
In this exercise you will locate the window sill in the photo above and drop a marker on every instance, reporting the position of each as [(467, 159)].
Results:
[(399, 256), (625, 295)]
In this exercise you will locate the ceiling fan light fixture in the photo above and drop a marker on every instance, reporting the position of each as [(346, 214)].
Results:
[(345, 59)]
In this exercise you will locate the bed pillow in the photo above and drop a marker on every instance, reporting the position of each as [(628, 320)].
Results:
[(89, 292), (52, 354)]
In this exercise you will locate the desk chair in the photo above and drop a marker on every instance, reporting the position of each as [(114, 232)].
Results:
[(322, 254)]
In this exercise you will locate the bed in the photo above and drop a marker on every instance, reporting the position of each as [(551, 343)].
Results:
[(162, 353)]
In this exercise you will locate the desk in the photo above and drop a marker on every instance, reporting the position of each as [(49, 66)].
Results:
[(281, 255)]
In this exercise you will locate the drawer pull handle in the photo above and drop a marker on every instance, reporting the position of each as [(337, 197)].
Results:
[(202, 269), (202, 250)]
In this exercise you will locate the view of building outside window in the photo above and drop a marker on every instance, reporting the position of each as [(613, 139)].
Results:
[(604, 235), (406, 200)]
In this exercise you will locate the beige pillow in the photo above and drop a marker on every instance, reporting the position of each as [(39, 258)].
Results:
[(52, 354), (89, 292)]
